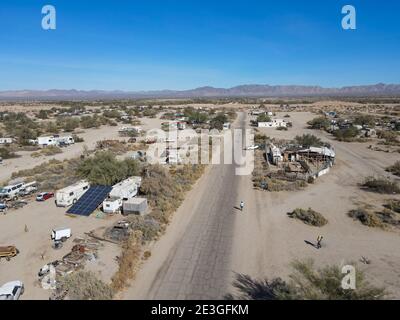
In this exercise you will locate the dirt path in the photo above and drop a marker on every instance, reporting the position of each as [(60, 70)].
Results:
[(192, 261)]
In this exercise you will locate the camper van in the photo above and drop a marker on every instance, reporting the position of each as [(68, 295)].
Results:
[(69, 195), (126, 189), (11, 191)]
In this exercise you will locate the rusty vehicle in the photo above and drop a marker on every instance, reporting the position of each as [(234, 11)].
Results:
[(8, 252)]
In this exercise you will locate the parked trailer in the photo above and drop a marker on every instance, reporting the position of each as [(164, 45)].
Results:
[(112, 205), (62, 234), (69, 195), (126, 189), (8, 252)]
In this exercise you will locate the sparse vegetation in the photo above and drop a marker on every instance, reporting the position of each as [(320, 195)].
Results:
[(306, 283), (308, 140), (104, 169), (128, 261), (320, 123), (263, 118), (346, 135), (366, 217), (309, 216), (47, 151), (381, 185), (7, 154), (85, 285), (395, 169)]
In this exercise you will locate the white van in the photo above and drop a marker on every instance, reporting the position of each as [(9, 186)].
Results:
[(69, 195), (11, 191)]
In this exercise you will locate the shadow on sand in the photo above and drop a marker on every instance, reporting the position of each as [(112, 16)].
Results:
[(311, 244)]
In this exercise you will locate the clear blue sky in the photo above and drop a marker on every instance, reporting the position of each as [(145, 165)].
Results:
[(147, 44)]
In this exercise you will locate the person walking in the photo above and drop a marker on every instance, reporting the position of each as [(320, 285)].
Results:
[(319, 240), (241, 205)]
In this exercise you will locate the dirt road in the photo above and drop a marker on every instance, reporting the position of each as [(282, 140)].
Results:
[(192, 261)]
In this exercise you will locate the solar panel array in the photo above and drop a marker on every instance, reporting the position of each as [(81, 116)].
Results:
[(90, 200)]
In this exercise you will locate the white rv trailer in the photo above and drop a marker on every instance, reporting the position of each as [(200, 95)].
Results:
[(6, 140), (69, 195), (126, 189), (55, 140), (122, 191), (47, 141)]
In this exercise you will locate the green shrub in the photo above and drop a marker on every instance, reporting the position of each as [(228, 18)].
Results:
[(395, 169), (393, 205), (148, 226), (306, 283), (84, 285), (320, 123), (310, 217), (7, 154), (347, 135), (381, 185), (104, 169), (365, 217), (308, 140)]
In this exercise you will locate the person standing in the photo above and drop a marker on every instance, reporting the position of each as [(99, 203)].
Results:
[(319, 240)]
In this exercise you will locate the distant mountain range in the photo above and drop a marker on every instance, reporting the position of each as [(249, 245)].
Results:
[(208, 92)]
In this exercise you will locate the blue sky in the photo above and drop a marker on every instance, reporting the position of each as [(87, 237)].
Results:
[(143, 45)]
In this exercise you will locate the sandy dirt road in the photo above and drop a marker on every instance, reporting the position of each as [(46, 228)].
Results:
[(192, 261)]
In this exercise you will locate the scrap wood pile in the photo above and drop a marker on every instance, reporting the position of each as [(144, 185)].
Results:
[(85, 249)]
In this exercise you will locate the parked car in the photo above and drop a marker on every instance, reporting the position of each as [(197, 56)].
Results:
[(12, 290), (44, 196)]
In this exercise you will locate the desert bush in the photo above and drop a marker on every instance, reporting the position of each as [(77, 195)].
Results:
[(104, 169), (47, 151), (51, 175), (308, 140), (310, 217), (84, 285), (78, 139), (7, 154), (128, 261), (346, 135), (148, 226), (320, 123), (263, 118), (390, 138), (306, 283), (395, 169), (381, 185), (365, 217), (393, 205), (260, 138), (365, 120), (388, 217)]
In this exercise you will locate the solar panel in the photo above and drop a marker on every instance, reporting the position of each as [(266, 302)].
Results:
[(90, 200)]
